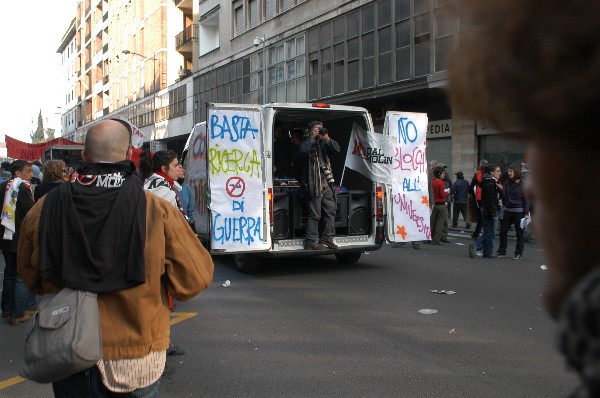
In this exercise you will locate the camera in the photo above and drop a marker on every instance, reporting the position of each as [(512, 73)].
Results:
[(323, 130), (328, 175)]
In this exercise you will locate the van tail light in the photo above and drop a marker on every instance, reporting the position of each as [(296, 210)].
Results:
[(270, 197), (379, 203), (320, 105)]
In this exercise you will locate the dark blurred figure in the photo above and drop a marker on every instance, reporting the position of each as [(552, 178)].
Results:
[(533, 70)]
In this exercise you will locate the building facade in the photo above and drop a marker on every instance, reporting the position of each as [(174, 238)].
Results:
[(380, 54)]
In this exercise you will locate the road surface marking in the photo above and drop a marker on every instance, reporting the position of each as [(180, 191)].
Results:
[(176, 317)]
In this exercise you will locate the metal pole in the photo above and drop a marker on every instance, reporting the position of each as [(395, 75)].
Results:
[(264, 72), (154, 96)]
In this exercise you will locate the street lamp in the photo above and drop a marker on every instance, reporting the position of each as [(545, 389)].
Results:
[(257, 42), (153, 58)]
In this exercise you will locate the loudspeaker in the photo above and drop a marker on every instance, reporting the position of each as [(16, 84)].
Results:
[(281, 216), (359, 212), (299, 211), (341, 212)]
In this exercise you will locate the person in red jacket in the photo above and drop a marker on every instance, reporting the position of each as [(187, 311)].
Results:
[(440, 211), (475, 194)]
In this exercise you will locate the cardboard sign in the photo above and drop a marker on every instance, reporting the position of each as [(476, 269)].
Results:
[(236, 180), (410, 188)]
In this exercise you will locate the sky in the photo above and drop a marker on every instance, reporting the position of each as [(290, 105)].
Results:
[(30, 67)]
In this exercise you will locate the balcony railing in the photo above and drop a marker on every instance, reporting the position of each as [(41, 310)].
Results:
[(187, 36)]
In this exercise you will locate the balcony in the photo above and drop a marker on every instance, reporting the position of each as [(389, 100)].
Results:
[(185, 40), (184, 4)]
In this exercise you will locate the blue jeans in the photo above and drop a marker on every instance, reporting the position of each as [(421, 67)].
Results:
[(487, 240), (14, 292), (88, 384)]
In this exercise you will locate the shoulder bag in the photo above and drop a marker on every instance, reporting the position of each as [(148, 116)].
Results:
[(63, 337)]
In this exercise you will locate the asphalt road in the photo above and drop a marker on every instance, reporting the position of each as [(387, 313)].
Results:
[(315, 328)]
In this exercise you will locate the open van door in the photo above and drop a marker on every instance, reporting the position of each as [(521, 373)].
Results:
[(408, 207), (194, 154), (237, 189)]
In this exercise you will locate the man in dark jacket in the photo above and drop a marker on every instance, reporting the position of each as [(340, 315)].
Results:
[(490, 204), (317, 186), (460, 191)]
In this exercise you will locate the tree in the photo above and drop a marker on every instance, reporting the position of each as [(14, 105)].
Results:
[(50, 134), (38, 136)]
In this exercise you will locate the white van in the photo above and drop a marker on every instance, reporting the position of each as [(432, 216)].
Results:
[(248, 202)]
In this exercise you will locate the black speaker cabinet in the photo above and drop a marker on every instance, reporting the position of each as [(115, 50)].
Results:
[(299, 212), (359, 211), (282, 228), (341, 211)]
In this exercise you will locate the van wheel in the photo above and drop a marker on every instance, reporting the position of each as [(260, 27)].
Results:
[(246, 263), (348, 258)]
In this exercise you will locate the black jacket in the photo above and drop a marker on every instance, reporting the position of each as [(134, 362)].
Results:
[(490, 194), (307, 153)]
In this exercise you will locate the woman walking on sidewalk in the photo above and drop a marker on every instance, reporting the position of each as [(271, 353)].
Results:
[(516, 207)]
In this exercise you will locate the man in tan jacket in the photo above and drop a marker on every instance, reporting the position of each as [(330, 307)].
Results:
[(103, 233)]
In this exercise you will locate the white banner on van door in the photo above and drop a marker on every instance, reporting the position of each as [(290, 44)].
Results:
[(410, 189), (196, 176), (370, 154), (236, 181)]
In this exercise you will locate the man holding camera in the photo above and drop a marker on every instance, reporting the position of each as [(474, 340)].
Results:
[(317, 186)]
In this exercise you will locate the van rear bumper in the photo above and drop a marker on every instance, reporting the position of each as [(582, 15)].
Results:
[(310, 253), (347, 244)]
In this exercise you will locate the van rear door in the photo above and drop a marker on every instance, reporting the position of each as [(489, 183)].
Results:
[(236, 179), (408, 215)]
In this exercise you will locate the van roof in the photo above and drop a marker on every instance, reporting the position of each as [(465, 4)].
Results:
[(309, 105)]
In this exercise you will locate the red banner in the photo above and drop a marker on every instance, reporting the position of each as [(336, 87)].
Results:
[(21, 150)]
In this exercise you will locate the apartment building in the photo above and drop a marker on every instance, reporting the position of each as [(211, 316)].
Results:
[(159, 62), (127, 58)]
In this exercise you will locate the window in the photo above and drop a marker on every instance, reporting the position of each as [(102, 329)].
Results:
[(285, 72), (446, 26), (254, 17), (238, 19), (422, 38), (368, 62), (353, 64), (339, 68), (208, 31), (177, 101), (270, 9), (384, 41), (287, 4)]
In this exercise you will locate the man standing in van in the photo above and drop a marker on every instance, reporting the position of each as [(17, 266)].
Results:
[(317, 186)]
